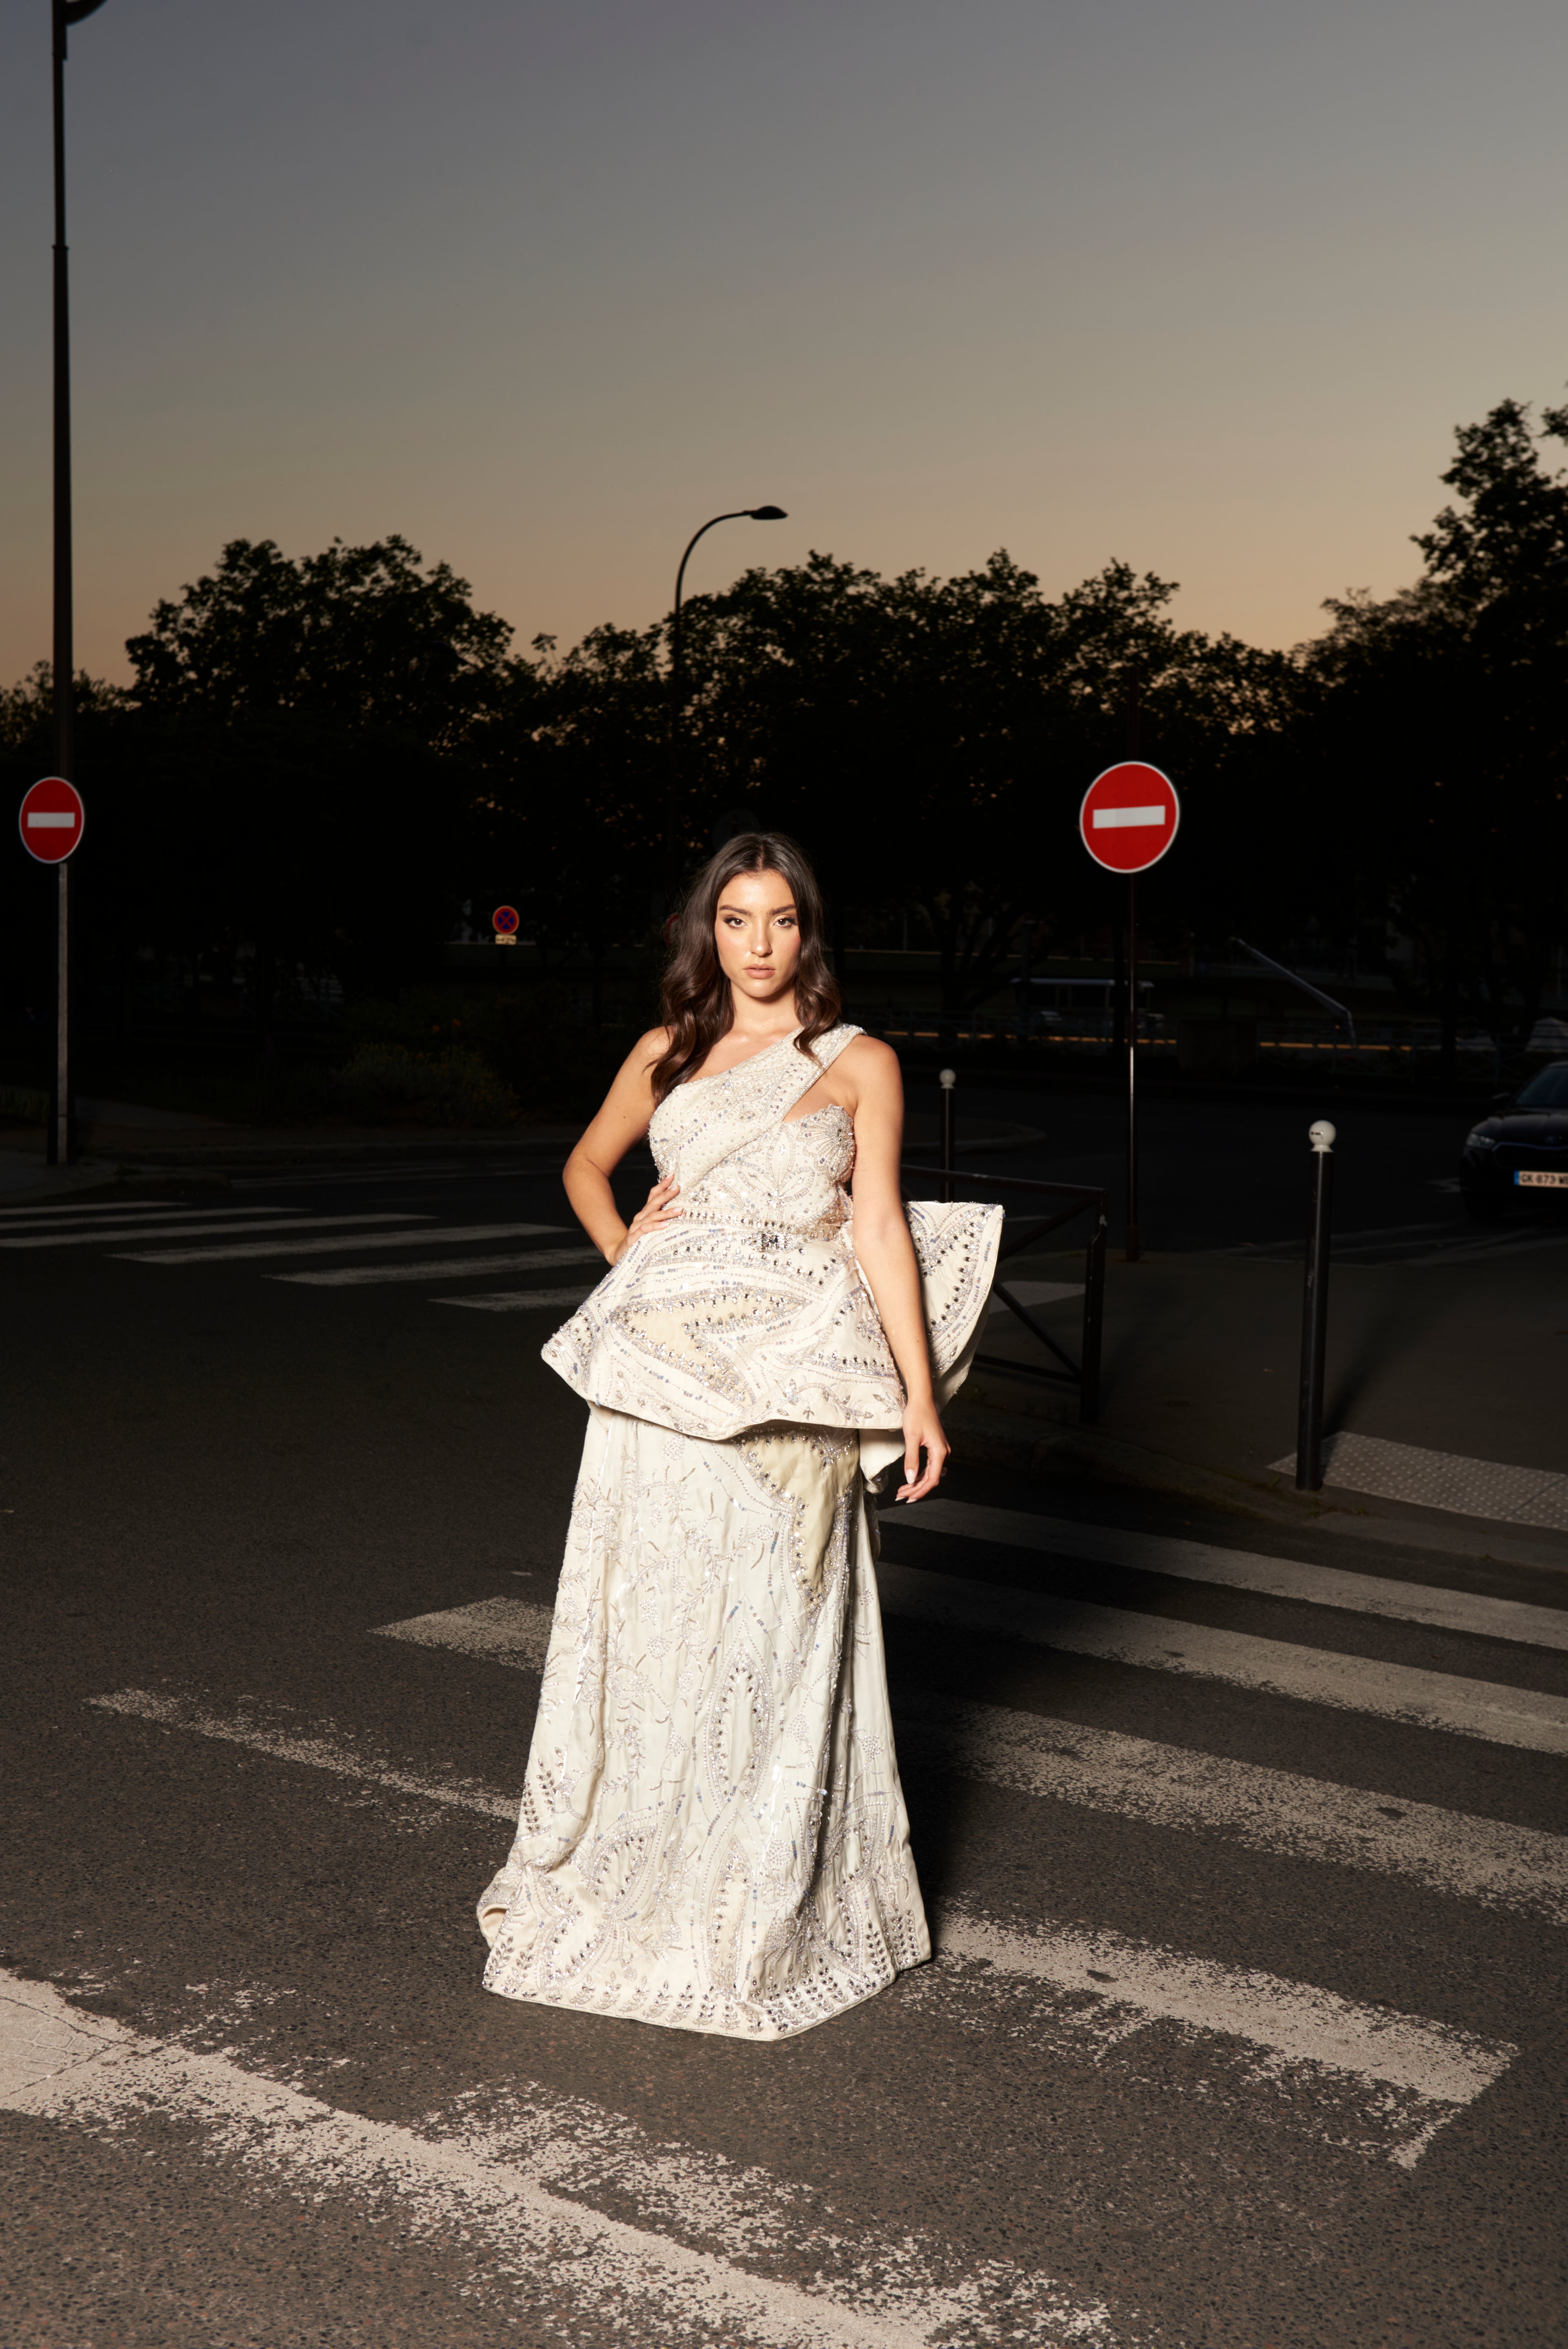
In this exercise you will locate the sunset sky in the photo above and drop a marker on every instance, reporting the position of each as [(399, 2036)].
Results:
[(1204, 285)]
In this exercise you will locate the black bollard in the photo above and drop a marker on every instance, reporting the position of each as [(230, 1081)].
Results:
[(1315, 1313), (947, 1080)]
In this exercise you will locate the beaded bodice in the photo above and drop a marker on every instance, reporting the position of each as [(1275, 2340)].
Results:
[(729, 1143), (749, 1310)]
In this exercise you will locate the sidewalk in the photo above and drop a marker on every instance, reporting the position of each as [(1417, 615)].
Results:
[(1201, 1375), (168, 1143)]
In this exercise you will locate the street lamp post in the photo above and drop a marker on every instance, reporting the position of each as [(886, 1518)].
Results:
[(678, 696), (64, 15)]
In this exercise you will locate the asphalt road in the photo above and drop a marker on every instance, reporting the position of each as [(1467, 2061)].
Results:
[(1228, 1171), (1246, 2026)]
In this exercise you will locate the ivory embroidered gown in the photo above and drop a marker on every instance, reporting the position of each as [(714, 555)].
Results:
[(712, 1831)]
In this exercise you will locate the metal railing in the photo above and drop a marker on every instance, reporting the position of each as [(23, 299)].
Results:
[(1081, 1199)]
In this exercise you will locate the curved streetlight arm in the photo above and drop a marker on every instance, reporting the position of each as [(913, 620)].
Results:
[(741, 513), (67, 13)]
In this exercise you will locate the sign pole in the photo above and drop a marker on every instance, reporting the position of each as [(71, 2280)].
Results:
[(63, 15), (60, 1138), (1129, 1248), (1130, 1251), (51, 821), (1127, 820), (63, 661)]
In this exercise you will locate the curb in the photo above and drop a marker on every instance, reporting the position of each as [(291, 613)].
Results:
[(131, 1182), (1041, 1449), (154, 1159)]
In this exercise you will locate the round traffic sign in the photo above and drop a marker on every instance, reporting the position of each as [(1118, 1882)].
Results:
[(505, 920), (1129, 817), (51, 820)]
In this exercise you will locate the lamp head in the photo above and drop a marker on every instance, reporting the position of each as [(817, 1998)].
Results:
[(768, 513)]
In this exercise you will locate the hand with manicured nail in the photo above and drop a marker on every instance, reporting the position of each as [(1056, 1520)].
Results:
[(654, 1212)]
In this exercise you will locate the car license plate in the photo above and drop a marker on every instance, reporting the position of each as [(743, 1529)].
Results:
[(1540, 1178)]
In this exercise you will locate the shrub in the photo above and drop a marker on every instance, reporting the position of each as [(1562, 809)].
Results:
[(451, 1087)]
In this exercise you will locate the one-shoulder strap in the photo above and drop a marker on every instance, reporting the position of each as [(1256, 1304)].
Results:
[(709, 1121), (826, 1049), (801, 1069)]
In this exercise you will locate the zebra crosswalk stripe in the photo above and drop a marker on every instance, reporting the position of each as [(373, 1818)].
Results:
[(490, 2186), (31, 1219), (1439, 2066), (99, 1239), (339, 1247), (363, 1275), (521, 1300), (1404, 1692), (1281, 1812), (1239, 1569)]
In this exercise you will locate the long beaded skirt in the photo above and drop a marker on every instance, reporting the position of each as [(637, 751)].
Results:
[(712, 1833)]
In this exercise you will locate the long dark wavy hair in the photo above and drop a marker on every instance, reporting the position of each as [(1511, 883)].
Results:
[(697, 1003)]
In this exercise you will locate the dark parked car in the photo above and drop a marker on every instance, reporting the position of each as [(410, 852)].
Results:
[(1519, 1155)]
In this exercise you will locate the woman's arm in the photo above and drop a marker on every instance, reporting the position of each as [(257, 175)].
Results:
[(620, 1121), (886, 1253)]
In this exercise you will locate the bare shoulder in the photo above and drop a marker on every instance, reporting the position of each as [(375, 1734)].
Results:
[(873, 1068), (648, 1048)]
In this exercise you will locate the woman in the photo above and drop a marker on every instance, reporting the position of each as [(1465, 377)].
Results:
[(712, 1832)]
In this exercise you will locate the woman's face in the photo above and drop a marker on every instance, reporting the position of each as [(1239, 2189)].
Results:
[(758, 934)]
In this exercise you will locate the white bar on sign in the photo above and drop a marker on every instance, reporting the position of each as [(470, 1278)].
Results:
[(1126, 819), (47, 822)]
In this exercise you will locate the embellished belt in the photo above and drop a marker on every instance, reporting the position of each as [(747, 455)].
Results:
[(737, 1219)]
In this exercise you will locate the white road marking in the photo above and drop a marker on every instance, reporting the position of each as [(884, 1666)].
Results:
[(521, 1300), (31, 1217), (1441, 2068), (507, 1630), (339, 1247), (490, 2182), (1133, 1982), (331, 1751), (1241, 1569), (1404, 1692), (360, 1276), (1277, 1811), (1462, 1540), (101, 1238), (1489, 1860), (1443, 1480)]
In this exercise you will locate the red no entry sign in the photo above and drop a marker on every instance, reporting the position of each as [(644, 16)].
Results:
[(1129, 817), (51, 820)]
